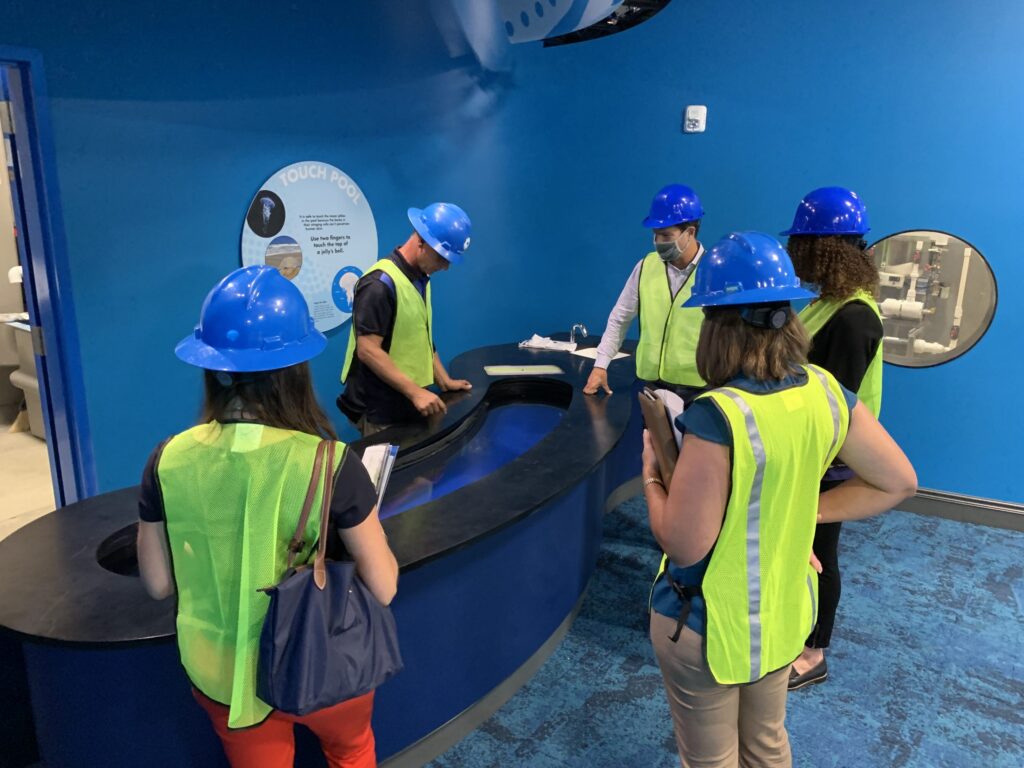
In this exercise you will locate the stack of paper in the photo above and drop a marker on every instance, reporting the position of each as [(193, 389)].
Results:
[(379, 460)]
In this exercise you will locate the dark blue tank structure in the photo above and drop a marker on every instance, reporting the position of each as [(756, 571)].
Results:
[(494, 513)]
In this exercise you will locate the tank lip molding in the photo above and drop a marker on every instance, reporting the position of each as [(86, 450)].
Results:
[(53, 590)]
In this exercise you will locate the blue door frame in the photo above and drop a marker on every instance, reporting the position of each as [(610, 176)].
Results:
[(48, 279)]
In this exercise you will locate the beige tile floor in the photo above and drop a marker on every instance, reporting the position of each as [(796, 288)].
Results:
[(26, 490)]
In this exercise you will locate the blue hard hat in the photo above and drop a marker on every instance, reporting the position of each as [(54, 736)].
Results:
[(673, 205), (830, 211), (253, 320), (746, 268), (445, 227)]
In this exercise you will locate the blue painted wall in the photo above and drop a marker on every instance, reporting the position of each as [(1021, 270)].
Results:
[(167, 123)]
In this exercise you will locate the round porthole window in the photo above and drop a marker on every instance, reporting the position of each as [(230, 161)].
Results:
[(937, 295)]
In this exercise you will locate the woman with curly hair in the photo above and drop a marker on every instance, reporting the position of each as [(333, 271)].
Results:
[(827, 246)]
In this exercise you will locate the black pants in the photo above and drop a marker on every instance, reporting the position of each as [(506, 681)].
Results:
[(830, 584)]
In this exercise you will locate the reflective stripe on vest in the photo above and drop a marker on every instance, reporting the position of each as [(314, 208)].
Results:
[(814, 317), (667, 349), (753, 537), (412, 346), (761, 557), (233, 494)]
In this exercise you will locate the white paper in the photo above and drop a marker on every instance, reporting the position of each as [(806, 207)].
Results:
[(674, 408), (379, 460), (523, 370), (591, 353)]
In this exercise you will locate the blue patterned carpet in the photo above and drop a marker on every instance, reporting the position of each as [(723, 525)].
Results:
[(926, 668)]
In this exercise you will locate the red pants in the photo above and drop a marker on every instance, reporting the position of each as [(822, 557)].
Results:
[(344, 733)]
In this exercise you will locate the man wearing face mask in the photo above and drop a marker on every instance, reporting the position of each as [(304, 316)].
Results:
[(656, 290), (391, 359)]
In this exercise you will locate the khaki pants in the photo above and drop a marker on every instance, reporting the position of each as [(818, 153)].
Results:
[(720, 726)]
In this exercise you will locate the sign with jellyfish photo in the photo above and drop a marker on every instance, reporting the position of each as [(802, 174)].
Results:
[(311, 221)]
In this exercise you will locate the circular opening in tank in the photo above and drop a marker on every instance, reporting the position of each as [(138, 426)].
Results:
[(117, 553)]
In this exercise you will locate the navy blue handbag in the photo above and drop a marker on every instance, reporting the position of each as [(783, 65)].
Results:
[(325, 638)]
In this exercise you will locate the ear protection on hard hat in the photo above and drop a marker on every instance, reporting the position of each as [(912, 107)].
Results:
[(772, 317)]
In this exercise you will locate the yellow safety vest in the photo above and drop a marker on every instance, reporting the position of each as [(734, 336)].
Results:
[(814, 317), (412, 344), (760, 591), (667, 349), (233, 494)]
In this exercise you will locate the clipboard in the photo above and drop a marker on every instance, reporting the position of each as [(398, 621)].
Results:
[(663, 437)]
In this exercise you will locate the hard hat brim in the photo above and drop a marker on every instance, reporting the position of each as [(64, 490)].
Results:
[(196, 352), (756, 296), (842, 232), (672, 222)]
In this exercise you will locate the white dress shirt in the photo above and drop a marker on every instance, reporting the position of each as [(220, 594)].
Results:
[(626, 307)]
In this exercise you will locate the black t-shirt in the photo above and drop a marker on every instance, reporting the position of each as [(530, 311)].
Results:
[(847, 343), (375, 306), (353, 500)]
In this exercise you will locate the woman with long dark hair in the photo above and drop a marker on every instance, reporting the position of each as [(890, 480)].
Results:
[(736, 594), (827, 246), (220, 502)]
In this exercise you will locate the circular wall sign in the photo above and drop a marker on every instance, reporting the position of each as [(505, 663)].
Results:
[(311, 221)]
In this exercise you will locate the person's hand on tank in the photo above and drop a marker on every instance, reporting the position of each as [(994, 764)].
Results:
[(427, 403), (598, 379), (454, 385)]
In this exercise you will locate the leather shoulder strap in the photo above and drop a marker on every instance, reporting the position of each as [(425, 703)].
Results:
[(295, 545)]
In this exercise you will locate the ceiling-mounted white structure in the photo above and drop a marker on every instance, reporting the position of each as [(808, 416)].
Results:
[(528, 21)]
